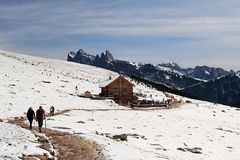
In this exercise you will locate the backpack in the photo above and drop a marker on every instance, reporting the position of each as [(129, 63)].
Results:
[(40, 113), (30, 114)]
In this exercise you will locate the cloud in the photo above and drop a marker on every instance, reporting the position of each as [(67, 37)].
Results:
[(82, 18), (164, 28)]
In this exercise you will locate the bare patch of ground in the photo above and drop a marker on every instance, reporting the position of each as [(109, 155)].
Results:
[(68, 146)]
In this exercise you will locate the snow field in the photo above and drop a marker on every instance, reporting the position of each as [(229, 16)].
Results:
[(152, 134)]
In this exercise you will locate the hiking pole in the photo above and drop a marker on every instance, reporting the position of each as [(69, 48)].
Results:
[(33, 123), (45, 125)]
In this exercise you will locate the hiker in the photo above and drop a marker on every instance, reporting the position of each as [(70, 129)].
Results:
[(52, 111), (40, 114), (30, 116), (76, 90)]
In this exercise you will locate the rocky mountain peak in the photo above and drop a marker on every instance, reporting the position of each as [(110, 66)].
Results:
[(232, 72), (169, 65), (172, 66), (105, 58), (72, 54), (238, 74), (109, 56), (208, 73), (80, 57), (81, 52)]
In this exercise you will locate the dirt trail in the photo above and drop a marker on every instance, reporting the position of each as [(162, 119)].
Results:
[(68, 146)]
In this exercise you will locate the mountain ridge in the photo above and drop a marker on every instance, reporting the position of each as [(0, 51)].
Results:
[(224, 90), (187, 80), (147, 71), (193, 75)]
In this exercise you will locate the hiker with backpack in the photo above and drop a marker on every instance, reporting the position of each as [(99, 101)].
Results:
[(52, 111), (30, 116), (40, 114)]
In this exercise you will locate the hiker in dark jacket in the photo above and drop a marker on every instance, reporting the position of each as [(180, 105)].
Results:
[(40, 114), (52, 111), (30, 116)]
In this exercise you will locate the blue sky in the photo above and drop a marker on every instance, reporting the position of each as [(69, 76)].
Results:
[(189, 32)]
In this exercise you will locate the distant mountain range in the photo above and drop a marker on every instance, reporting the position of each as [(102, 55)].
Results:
[(224, 90), (199, 72), (208, 83), (158, 74)]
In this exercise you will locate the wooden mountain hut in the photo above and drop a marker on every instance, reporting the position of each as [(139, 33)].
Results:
[(120, 89)]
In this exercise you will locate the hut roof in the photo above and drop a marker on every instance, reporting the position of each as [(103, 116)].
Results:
[(105, 83), (109, 81)]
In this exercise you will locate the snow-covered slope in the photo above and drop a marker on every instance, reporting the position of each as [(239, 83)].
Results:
[(30, 81), (16, 142), (211, 131)]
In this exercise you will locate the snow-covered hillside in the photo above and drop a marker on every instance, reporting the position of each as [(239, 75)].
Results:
[(30, 81), (196, 130)]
